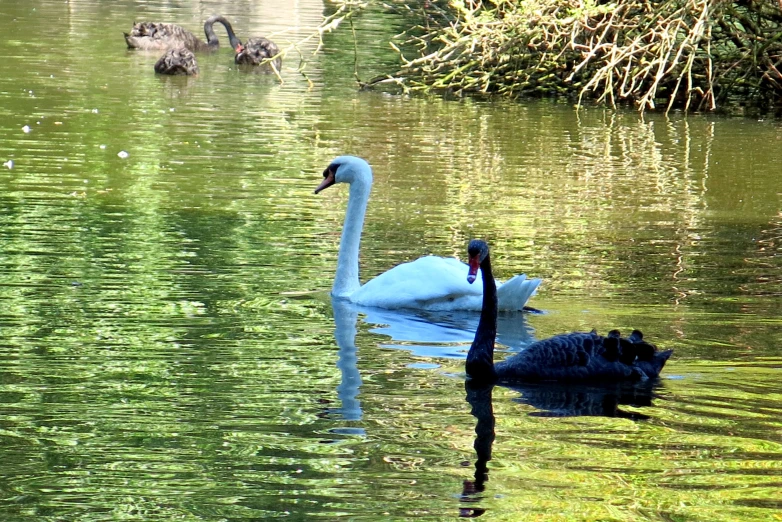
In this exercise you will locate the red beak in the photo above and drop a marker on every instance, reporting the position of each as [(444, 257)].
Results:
[(475, 264)]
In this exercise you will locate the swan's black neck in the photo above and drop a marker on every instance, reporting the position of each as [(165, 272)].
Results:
[(480, 358), (211, 37)]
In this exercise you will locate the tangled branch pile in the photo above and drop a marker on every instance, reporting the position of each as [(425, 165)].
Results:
[(693, 54)]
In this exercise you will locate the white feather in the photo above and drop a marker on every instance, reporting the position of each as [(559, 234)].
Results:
[(428, 283)]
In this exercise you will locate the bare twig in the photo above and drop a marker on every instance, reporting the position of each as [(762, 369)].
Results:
[(683, 52)]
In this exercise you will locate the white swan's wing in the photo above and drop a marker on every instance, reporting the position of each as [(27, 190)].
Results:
[(429, 283), (514, 293), (440, 284)]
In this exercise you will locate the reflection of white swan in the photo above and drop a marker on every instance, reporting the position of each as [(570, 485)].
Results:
[(428, 283), (348, 389), (440, 334)]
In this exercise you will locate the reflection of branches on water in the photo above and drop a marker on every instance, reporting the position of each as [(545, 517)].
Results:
[(665, 164), (655, 157), (766, 260), (345, 10), (551, 400)]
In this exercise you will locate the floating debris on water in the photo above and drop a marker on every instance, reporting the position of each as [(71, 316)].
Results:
[(102, 146), (95, 111), (123, 154), (9, 164), (26, 129)]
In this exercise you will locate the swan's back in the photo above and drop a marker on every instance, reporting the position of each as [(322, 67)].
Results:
[(161, 36), (582, 356), (428, 283), (256, 50), (438, 284), (177, 61)]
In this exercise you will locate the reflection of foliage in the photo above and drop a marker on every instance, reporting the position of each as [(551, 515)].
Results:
[(163, 357), (344, 11), (690, 53), (766, 261)]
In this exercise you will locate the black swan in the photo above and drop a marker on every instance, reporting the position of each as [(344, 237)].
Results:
[(177, 61), (256, 50), (162, 36), (568, 357)]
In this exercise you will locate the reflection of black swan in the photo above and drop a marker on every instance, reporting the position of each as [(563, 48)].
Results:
[(256, 50), (568, 357), (160, 36), (177, 61), (554, 400), (479, 398)]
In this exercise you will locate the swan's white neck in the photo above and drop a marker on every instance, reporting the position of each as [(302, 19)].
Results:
[(346, 279)]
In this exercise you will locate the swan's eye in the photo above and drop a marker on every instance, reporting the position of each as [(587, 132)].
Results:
[(332, 169)]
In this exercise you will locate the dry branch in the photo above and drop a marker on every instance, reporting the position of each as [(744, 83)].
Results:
[(674, 53)]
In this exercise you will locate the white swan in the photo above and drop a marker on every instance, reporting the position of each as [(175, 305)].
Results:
[(428, 283)]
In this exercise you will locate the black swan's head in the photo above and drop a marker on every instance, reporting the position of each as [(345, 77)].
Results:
[(345, 169), (477, 251)]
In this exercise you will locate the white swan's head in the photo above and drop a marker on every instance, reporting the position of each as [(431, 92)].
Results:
[(477, 251), (345, 169)]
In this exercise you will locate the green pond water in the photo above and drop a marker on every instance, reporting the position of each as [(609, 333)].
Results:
[(169, 350)]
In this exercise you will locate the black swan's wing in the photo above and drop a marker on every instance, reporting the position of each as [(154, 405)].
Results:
[(160, 35), (177, 61), (256, 50), (574, 356)]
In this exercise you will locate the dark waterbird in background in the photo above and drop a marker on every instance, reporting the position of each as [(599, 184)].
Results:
[(177, 61), (255, 51), (163, 36), (572, 357)]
